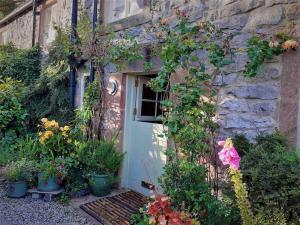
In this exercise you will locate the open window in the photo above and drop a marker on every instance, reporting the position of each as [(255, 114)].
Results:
[(148, 102)]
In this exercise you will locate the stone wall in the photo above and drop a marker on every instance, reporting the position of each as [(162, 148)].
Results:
[(19, 31), (247, 106)]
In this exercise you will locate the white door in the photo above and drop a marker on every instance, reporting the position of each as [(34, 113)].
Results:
[(143, 144)]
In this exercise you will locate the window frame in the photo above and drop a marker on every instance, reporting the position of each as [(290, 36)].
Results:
[(127, 22), (141, 80)]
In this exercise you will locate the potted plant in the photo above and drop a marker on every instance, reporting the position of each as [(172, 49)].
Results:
[(52, 173), (102, 161), (18, 174)]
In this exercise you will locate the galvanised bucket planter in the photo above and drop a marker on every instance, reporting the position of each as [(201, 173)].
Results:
[(100, 184), (47, 183), (17, 189)]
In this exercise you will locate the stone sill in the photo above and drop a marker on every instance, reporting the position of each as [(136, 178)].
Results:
[(131, 21)]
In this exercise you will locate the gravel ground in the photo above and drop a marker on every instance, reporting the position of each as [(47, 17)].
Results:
[(26, 211)]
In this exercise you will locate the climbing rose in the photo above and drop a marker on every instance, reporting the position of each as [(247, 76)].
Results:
[(228, 155)]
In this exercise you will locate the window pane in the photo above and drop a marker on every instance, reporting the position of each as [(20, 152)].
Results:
[(159, 110), (148, 93), (148, 109), (114, 10), (136, 7)]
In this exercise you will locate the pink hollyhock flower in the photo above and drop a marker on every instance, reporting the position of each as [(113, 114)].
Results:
[(228, 155)]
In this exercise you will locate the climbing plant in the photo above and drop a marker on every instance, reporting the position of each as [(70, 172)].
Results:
[(192, 56), (100, 47), (262, 48), (190, 109)]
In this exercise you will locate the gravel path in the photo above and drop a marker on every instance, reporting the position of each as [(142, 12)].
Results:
[(26, 211)]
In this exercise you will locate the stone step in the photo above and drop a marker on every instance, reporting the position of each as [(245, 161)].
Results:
[(47, 195)]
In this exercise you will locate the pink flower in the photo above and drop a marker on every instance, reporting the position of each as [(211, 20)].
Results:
[(228, 155)]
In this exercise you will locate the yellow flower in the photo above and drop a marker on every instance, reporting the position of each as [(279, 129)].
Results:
[(64, 133), (48, 134), (42, 140), (69, 141), (54, 124), (51, 124), (66, 128)]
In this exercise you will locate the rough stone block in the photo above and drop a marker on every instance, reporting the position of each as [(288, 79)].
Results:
[(264, 16), (240, 7), (262, 107), (240, 40), (271, 72), (225, 79), (244, 121), (276, 2), (240, 59), (292, 11), (259, 91), (233, 23), (235, 105)]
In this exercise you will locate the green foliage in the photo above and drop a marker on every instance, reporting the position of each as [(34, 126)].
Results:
[(49, 96), (12, 113), (57, 167), (259, 51), (21, 170), (241, 143), (63, 199), (185, 183), (270, 217), (140, 219), (20, 64), (99, 156), (272, 173), (191, 108), (84, 114)]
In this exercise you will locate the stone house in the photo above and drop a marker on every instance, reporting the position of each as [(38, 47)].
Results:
[(246, 106)]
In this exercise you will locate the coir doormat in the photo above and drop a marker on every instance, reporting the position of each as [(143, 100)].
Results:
[(116, 210)]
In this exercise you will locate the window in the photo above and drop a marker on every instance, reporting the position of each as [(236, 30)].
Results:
[(148, 103), (82, 79), (115, 10)]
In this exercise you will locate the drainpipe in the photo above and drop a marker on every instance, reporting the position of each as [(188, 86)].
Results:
[(34, 6), (72, 75), (95, 10)]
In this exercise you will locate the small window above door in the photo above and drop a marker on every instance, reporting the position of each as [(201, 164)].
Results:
[(148, 102), (115, 10)]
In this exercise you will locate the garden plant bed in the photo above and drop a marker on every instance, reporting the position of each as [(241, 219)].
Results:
[(30, 211)]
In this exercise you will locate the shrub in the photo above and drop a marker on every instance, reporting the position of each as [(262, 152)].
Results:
[(272, 173), (20, 64), (270, 217), (12, 113), (185, 183), (99, 156), (54, 168), (19, 171)]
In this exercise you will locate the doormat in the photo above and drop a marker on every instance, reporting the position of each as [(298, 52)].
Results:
[(116, 210)]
